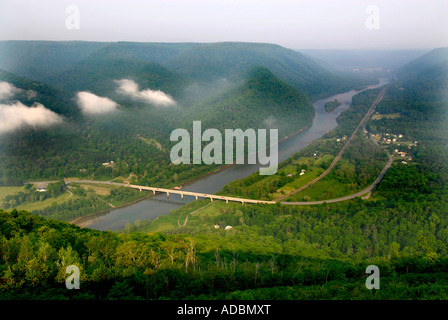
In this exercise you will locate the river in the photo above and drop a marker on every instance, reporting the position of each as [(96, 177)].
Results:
[(159, 205)]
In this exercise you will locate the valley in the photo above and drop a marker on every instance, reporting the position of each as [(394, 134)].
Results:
[(85, 145)]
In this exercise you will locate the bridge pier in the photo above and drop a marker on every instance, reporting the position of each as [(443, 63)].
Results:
[(167, 195), (153, 192), (211, 199), (227, 200), (182, 196), (196, 197)]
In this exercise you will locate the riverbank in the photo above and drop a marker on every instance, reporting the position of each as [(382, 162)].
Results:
[(89, 219), (78, 221)]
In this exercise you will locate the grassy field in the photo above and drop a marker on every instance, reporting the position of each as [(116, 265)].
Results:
[(100, 189), (7, 191), (327, 188), (198, 212), (4, 191), (331, 186), (47, 202), (312, 172), (312, 169)]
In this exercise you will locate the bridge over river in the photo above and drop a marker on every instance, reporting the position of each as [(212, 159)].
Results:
[(182, 193)]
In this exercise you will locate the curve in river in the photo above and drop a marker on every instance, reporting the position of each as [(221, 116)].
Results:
[(153, 207)]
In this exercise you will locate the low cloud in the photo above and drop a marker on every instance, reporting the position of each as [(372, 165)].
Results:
[(7, 90), (91, 104), (156, 97), (30, 94), (270, 122), (17, 115)]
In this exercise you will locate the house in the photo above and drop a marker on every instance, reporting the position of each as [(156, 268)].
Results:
[(41, 189), (216, 226), (228, 227)]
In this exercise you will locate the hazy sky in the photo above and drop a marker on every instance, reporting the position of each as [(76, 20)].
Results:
[(299, 24)]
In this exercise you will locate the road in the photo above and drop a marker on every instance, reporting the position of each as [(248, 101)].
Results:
[(352, 196), (336, 159)]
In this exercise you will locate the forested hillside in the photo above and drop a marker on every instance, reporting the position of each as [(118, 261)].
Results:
[(426, 61), (33, 91), (97, 72), (223, 265), (261, 101)]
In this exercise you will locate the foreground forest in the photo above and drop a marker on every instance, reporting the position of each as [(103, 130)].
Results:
[(239, 265)]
